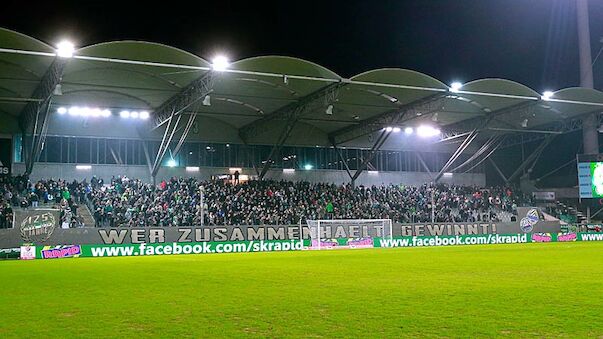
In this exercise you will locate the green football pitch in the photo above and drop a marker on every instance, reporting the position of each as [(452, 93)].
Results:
[(527, 290)]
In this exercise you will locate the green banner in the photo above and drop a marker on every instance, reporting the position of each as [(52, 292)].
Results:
[(145, 249)]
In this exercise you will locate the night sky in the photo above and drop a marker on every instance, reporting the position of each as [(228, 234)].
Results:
[(530, 41)]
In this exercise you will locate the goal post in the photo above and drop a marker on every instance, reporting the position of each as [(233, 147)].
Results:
[(347, 233)]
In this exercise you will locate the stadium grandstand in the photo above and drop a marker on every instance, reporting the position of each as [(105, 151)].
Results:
[(151, 174), (152, 113)]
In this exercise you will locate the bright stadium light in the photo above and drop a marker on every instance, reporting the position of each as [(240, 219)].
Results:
[(396, 130), (427, 131), (308, 167), (106, 113), (74, 110), (134, 115), (171, 163), (192, 169), (65, 49), (62, 110), (83, 167), (144, 115), (124, 114), (373, 172), (389, 129), (547, 95), (85, 112), (455, 87), (447, 174), (408, 130), (220, 63), (288, 170)]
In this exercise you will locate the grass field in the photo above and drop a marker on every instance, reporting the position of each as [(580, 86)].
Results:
[(543, 290)]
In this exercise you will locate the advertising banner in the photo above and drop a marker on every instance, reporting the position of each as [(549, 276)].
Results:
[(152, 249)]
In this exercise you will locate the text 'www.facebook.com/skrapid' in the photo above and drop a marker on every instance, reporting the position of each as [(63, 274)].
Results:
[(197, 248)]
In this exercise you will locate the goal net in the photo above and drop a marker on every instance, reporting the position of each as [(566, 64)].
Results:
[(347, 233)]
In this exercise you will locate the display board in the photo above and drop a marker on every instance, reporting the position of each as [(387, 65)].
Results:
[(590, 175)]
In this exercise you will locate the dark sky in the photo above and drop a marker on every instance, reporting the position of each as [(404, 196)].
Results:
[(530, 41)]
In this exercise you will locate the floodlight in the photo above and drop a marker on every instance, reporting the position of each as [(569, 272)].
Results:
[(62, 110), (134, 115), (373, 172), (85, 112), (288, 170), (389, 129), (171, 163), (546, 95), (74, 110), (308, 167), (106, 113), (396, 129), (96, 112), (65, 49), (83, 167), (329, 110), (207, 101), (447, 174), (144, 115), (427, 131), (124, 114), (455, 87), (408, 130), (220, 63)]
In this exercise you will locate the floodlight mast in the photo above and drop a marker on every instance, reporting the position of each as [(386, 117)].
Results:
[(590, 135)]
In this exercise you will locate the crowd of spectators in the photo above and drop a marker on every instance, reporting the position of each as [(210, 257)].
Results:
[(177, 202), (18, 191)]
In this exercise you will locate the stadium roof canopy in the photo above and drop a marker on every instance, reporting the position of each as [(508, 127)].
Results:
[(276, 99)]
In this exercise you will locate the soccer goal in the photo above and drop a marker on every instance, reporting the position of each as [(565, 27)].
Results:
[(347, 233)]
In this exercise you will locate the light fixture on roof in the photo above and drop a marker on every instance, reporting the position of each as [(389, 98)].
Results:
[(396, 129), (547, 95), (329, 110), (524, 123), (427, 131), (144, 115), (408, 130), (220, 63), (134, 115), (62, 110), (65, 49), (389, 129), (124, 114), (171, 163), (207, 101), (455, 87), (58, 90)]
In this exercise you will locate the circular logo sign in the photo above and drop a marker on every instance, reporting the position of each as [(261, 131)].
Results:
[(38, 227), (525, 225)]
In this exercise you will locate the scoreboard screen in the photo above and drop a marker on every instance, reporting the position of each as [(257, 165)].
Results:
[(590, 179)]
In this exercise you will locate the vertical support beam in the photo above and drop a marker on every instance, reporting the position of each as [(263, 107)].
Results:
[(590, 135), (532, 157), (498, 170), (33, 119), (424, 164), (378, 143), (462, 147), (171, 113), (345, 163)]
